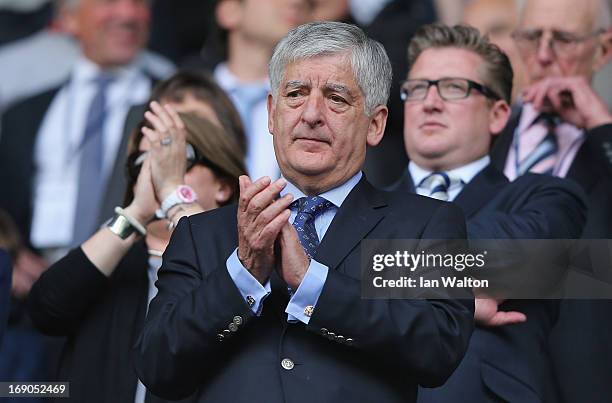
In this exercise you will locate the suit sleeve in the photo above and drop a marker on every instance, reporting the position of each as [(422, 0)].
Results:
[(598, 144), (424, 338), (552, 209), (60, 298), (180, 344)]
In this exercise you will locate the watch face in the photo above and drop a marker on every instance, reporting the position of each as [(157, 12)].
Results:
[(186, 194)]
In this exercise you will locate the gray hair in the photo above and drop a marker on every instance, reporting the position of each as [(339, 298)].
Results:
[(369, 61)]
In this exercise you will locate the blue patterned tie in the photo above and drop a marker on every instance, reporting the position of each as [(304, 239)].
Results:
[(308, 209), (438, 184), (91, 180)]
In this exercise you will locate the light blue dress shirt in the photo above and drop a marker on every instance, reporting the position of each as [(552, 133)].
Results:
[(310, 289)]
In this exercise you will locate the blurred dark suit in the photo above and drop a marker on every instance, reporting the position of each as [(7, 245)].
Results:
[(511, 363), (580, 342)]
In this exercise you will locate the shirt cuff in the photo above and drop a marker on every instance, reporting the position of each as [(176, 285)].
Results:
[(303, 301), (252, 291)]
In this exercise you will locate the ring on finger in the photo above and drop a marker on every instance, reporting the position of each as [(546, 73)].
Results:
[(166, 141)]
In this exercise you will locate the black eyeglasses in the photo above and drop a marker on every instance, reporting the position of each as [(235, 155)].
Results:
[(449, 89), (136, 159)]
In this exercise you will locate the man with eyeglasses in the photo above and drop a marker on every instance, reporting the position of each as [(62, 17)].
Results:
[(563, 43), (456, 98)]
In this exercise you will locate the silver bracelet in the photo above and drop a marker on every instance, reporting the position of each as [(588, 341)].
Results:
[(120, 226), (131, 220)]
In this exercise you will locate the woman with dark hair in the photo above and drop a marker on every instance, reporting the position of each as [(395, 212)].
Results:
[(184, 158)]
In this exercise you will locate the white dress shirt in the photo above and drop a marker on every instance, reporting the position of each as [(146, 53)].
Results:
[(56, 153), (465, 173)]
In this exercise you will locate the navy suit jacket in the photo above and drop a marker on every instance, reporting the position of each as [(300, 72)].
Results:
[(396, 343), (580, 341), (5, 289), (511, 363)]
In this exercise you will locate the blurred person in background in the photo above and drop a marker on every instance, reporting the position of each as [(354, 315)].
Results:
[(58, 148), (565, 129), (247, 31), (44, 59), (498, 19), (9, 244), (98, 294)]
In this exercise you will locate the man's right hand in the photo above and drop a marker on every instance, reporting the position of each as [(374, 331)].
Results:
[(261, 216)]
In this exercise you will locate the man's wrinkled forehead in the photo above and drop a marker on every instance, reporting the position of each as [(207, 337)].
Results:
[(560, 15)]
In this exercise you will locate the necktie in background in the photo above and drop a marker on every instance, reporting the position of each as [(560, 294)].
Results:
[(248, 96), (438, 184), (91, 180), (308, 209), (543, 158)]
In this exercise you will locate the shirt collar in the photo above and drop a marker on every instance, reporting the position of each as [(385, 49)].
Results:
[(528, 116), (85, 71), (336, 195), (227, 80), (465, 173)]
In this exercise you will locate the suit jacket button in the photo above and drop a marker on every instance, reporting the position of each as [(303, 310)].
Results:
[(349, 341), (226, 332), (232, 327), (287, 364), (331, 335), (220, 337), (324, 331), (237, 320), (340, 338)]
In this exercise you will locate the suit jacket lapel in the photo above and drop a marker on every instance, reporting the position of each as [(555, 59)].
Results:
[(481, 189), (358, 215)]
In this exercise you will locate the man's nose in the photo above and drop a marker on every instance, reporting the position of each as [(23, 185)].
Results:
[(433, 100), (545, 53), (312, 114)]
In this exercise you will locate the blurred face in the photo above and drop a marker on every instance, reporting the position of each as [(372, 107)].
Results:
[(497, 19), (561, 18), (443, 135), (266, 21), (319, 126), (330, 10), (111, 32)]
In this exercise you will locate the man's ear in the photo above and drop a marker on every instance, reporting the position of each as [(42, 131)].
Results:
[(498, 116), (67, 21), (228, 14), (378, 122), (270, 105), (604, 50)]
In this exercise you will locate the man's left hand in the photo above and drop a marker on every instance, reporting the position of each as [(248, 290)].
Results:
[(572, 98), (293, 262)]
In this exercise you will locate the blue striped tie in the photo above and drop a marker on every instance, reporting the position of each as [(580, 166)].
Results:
[(547, 149), (438, 184), (308, 209)]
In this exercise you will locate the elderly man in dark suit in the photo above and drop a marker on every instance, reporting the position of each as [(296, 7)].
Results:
[(562, 47), (452, 110), (261, 301)]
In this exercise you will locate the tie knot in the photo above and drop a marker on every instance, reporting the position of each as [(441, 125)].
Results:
[(438, 184), (313, 205), (550, 120), (103, 80)]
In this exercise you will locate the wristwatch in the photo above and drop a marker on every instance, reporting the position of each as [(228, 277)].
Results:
[(182, 195)]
